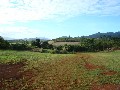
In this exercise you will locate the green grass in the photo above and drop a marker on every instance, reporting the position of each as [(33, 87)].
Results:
[(110, 60), (16, 56), (66, 71)]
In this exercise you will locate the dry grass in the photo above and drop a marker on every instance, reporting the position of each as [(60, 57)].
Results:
[(63, 43)]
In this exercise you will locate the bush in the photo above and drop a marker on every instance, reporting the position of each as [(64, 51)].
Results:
[(37, 50), (63, 52), (19, 46), (4, 44)]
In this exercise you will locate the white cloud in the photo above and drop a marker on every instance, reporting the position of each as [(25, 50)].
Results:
[(18, 32), (25, 10)]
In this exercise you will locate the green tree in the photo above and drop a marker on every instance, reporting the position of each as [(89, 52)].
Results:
[(46, 45), (37, 43), (4, 44)]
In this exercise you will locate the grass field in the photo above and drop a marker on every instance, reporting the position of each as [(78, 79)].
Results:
[(63, 43), (24, 70)]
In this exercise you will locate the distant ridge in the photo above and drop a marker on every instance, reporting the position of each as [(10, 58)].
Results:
[(108, 34), (32, 39), (96, 35), (7, 38), (28, 39)]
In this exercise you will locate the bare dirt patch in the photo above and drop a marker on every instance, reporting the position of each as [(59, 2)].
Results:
[(92, 66), (10, 70), (105, 71), (13, 76), (109, 73), (106, 87)]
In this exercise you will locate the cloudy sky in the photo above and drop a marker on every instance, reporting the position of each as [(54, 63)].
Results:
[(55, 18)]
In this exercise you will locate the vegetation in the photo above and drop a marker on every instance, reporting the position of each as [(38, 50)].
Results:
[(4, 44), (108, 34), (93, 45), (103, 43), (80, 63), (25, 70), (78, 39)]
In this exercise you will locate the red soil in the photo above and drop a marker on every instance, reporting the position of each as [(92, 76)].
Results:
[(109, 73), (10, 73), (105, 71), (106, 87), (92, 66)]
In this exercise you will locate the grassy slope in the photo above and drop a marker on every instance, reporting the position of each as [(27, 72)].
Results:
[(66, 71), (63, 43)]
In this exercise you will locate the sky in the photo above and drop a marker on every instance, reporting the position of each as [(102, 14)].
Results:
[(56, 18)]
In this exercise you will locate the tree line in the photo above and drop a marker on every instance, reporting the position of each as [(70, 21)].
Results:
[(23, 44), (96, 35), (86, 45), (92, 45)]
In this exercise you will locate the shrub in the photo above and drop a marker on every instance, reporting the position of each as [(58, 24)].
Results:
[(19, 46)]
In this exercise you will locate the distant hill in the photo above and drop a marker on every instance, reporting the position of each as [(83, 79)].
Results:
[(68, 38), (32, 39), (108, 34), (26, 39), (7, 38), (78, 39)]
